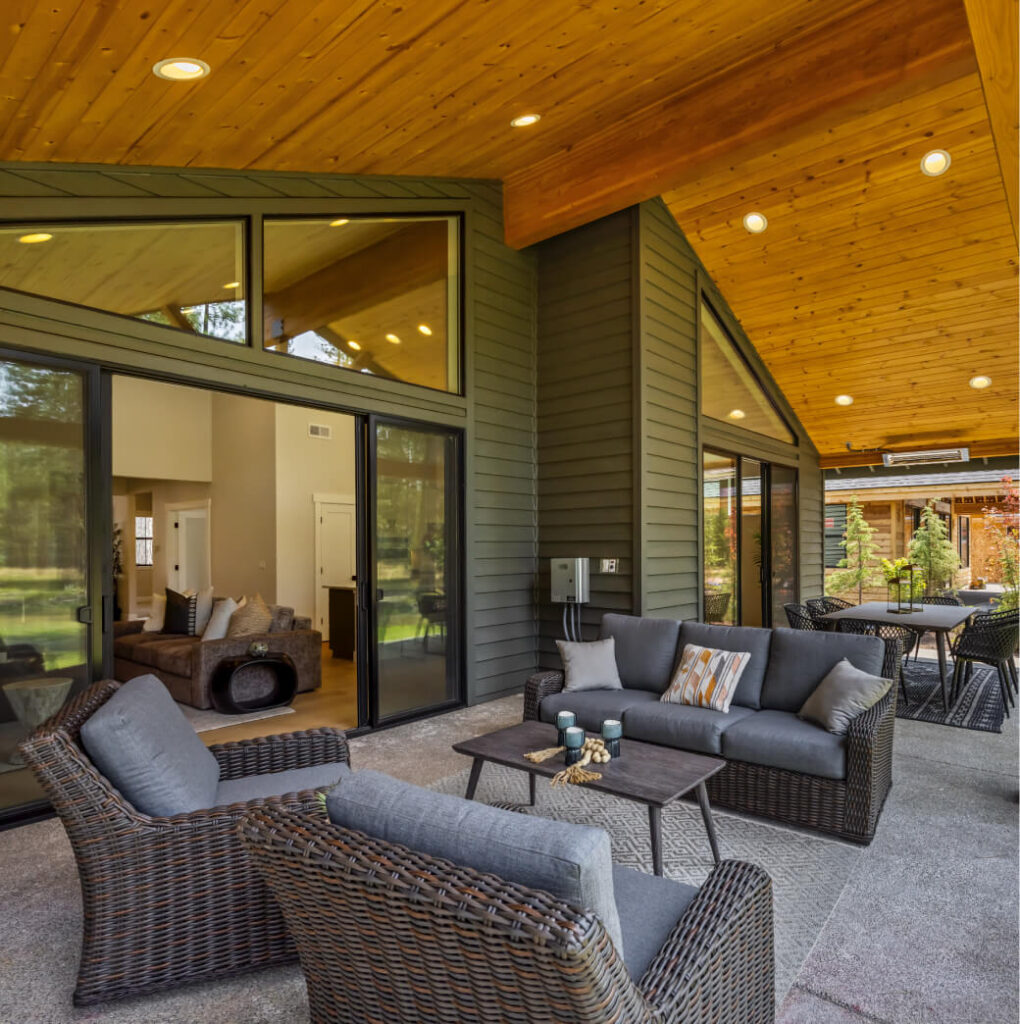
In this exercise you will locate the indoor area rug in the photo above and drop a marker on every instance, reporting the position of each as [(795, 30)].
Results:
[(978, 707), (808, 871), (204, 719)]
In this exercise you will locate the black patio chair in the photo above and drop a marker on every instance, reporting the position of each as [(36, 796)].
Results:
[(800, 618), (819, 606), (888, 631), (949, 601), (717, 603), (989, 643)]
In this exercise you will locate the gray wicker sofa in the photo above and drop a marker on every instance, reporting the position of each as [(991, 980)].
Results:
[(778, 766)]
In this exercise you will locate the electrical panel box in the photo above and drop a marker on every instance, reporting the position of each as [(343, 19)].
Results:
[(569, 580)]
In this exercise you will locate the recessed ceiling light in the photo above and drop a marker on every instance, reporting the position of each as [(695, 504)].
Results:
[(525, 119), (844, 400), (180, 69), (425, 329), (393, 339), (339, 223), (981, 382), (737, 414), (232, 284), (755, 222), (32, 239), (354, 345), (935, 163)]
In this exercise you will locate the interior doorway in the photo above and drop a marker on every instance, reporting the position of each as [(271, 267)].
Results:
[(336, 560), (189, 564)]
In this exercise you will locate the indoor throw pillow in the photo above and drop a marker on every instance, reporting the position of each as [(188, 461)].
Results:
[(180, 613), (589, 666), (252, 616), (706, 678)]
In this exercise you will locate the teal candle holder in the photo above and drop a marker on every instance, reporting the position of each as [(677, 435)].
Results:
[(564, 720), (573, 740), (612, 731)]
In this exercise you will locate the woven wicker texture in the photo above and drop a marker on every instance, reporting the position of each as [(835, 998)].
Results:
[(167, 900), (389, 934)]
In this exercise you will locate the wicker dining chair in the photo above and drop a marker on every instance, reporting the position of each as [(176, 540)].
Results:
[(819, 606), (987, 643), (993, 618), (387, 933), (901, 636), (800, 617), (167, 900)]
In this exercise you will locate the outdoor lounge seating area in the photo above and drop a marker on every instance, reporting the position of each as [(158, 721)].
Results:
[(510, 512)]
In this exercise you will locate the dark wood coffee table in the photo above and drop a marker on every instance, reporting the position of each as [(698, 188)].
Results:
[(645, 773)]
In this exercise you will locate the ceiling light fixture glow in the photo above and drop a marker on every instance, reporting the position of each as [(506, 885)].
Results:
[(844, 400), (935, 163), (737, 414), (425, 329), (35, 238), (755, 222), (181, 69), (393, 339), (524, 120), (980, 382), (339, 222), (354, 345)]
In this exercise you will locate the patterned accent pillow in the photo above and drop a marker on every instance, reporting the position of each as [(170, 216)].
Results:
[(706, 678), (252, 616)]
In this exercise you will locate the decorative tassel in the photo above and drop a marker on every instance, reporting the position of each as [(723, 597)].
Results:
[(538, 756), (575, 775)]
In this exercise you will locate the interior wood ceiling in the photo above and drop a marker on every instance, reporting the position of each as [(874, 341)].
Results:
[(871, 280)]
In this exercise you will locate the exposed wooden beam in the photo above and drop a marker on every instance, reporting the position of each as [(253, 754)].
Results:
[(978, 450), (891, 49), (993, 28), (401, 262)]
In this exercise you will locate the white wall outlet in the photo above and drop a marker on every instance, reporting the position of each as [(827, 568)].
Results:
[(608, 565)]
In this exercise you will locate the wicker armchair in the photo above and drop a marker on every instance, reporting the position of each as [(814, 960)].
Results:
[(167, 900), (848, 807), (902, 636), (988, 642), (386, 933), (799, 616)]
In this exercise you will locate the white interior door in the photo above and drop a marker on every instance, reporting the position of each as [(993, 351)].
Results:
[(335, 552), (190, 567)]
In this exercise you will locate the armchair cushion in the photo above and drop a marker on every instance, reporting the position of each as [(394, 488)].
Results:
[(779, 739), (593, 707), (800, 660), (645, 649), (143, 744), (293, 780), (572, 862), (649, 908), (734, 638)]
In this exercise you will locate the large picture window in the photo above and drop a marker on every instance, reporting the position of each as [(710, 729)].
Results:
[(375, 295), (189, 275)]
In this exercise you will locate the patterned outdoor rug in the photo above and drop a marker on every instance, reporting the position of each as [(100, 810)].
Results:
[(808, 871), (978, 707)]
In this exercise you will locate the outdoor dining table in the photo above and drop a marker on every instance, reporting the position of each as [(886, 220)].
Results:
[(931, 618)]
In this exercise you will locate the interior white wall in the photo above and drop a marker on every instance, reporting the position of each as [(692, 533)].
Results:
[(161, 431), (306, 466)]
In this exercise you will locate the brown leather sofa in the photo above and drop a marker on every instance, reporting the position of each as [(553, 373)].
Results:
[(186, 664)]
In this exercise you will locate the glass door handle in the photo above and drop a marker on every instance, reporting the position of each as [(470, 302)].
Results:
[(379, 594), (84, 614)]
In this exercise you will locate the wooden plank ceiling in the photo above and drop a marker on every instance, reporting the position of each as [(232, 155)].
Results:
[(871, 280)]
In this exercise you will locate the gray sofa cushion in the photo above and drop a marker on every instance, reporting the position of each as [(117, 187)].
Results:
[(734, 638), (570, 861), (143, 744), (841, 696), (780, 739), (645, 649), (680, 725), (593, 707), (801, 659), (294, 780), (649, 908)]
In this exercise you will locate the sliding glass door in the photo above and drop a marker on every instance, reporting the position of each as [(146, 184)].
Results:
[(45, 607), (415, 561), (749, 539)]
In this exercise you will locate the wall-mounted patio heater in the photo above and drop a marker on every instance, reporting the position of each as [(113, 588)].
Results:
[(568, 585)]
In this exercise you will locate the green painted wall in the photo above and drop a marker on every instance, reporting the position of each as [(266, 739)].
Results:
[(497, 411)]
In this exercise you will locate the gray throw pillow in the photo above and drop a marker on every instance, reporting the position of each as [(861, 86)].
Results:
[(589, 666), (841, 696)]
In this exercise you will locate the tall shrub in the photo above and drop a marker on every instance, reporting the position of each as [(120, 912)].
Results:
[(1003, 526), (933, 551), (858, 568)]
